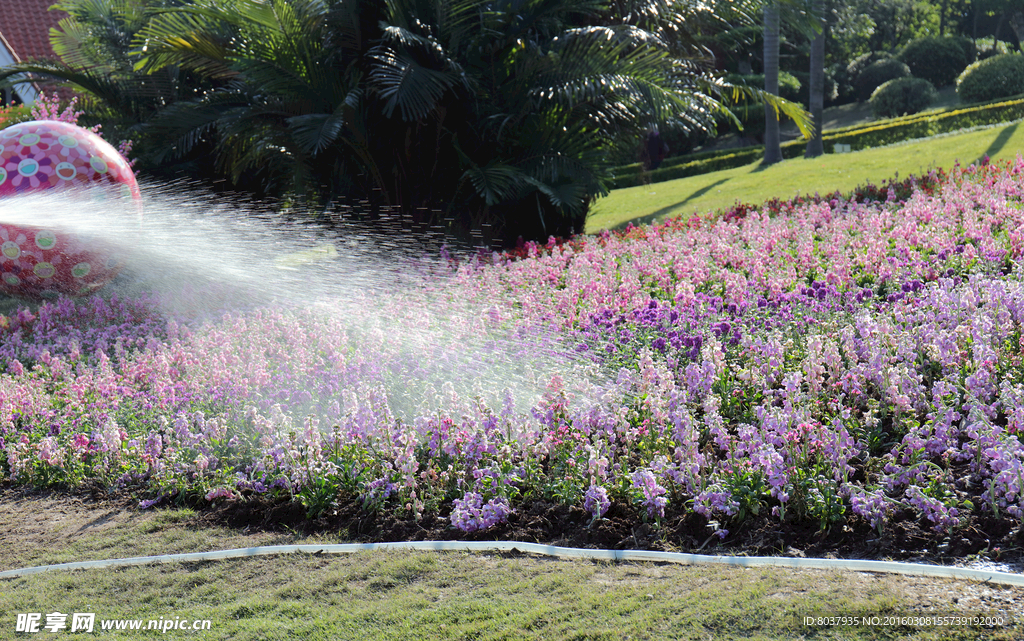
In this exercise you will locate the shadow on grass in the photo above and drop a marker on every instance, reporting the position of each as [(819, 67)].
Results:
[(650, 218), (1000, 141)]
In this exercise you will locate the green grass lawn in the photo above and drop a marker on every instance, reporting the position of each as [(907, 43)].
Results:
[(405, 596), (755, 184)]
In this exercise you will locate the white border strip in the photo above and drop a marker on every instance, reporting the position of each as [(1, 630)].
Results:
[(912, 569)]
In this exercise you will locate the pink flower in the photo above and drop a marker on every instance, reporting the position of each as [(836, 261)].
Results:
[(49, 452), (220, 492)]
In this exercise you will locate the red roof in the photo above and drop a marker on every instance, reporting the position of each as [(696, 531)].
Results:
[(25, 27)]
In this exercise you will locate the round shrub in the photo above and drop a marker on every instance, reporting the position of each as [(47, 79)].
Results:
[(877, 73), (902, 96), (862, 62), (970, 49), (997, 77), (937, 60)]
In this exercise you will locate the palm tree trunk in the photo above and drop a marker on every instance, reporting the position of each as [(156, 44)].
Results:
[(815, 146), (772, 142)]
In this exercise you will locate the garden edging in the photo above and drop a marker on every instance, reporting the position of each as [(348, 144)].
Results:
[(855, 565)]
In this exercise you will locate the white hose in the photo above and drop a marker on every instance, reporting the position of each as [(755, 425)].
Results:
[(913, 569)]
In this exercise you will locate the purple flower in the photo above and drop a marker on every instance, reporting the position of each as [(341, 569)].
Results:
[(470, 513), (596, 501), (653, 494)]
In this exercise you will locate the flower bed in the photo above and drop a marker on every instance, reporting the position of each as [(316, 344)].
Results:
[(820, 363)]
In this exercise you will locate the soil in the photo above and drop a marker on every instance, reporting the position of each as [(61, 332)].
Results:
[(623, 528), (983, 541)]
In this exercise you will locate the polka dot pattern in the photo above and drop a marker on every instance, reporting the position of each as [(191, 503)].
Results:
[(43, 154)]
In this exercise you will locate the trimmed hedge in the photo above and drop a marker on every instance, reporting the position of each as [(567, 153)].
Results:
[(637, 168), (924, 125), (858, 137), (902, 96), (992, 78)]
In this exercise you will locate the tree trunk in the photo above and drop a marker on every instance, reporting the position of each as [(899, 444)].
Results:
[(772, 141), (815, 146), (974, 16)]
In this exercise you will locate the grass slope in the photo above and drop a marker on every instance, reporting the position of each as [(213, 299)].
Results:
[(755, 184)]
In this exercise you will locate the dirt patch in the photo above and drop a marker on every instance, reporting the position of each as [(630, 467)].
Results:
[(32, 520), (904, 539), (40, 518)]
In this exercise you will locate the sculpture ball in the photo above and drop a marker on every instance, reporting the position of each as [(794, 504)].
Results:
[(42, 262)]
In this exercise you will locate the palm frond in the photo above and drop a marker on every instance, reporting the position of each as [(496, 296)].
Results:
[(496, 182), (313, 133), (407, 85), (793, 110)]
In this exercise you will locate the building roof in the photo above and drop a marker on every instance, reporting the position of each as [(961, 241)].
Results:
[(25, 27), (25, 35)]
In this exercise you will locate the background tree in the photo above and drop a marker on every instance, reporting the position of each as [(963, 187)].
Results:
[(772, 138), (816, 89)]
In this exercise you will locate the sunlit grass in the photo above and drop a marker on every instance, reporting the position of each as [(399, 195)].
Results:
[(754, 184)]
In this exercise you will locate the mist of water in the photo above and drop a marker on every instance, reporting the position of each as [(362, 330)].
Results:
[(203, 255)]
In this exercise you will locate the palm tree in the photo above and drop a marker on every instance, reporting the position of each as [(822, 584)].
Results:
[(500, 112), (815, 146), (289, 113)]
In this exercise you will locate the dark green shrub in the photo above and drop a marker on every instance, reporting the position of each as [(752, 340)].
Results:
[(681, 140), (902, 96), (751, 117), (876, 74), (997, 77), (830, 92), (840, 74), (937, 60), (970, 49), (862, 62)]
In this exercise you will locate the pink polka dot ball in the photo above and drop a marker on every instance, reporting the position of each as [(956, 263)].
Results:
[(39, 262)]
